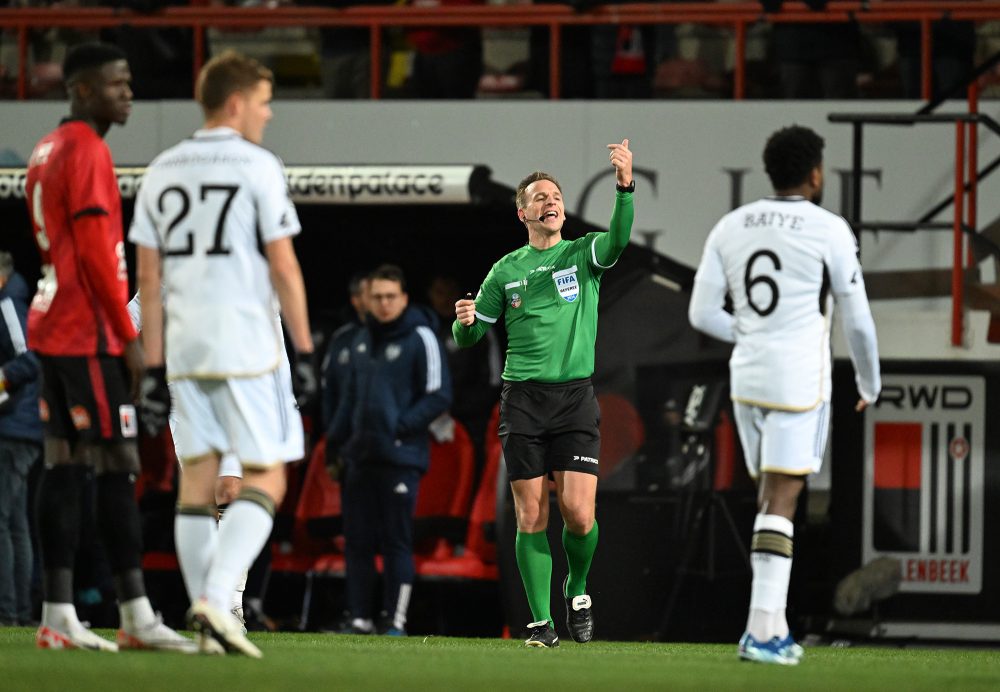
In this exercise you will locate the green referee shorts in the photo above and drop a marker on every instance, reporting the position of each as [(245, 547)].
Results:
[(546, 427)]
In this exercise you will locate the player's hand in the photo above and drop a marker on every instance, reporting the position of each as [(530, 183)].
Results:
[(305, 384), (621, 159), (861, 405), (465, 310), (134, 358), (154, 401)]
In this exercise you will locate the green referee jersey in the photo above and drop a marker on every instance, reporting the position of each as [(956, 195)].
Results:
[(548, 299)]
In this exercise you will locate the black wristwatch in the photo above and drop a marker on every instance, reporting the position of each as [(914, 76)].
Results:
[(622, 188)]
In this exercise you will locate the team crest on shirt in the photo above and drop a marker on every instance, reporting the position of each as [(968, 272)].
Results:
[(126, 419), (80, 417), (567, 284), (515, 301), (392, 352)]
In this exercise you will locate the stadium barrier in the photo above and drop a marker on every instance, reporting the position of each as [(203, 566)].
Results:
[(738, 17)]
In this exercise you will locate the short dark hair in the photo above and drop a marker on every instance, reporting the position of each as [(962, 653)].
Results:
[(790, 154), (389, 272), (88, 56), (226, 74), (521, 199), (354, 283)]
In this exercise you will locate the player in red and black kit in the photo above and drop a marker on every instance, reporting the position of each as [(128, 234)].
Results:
[(91, 359)]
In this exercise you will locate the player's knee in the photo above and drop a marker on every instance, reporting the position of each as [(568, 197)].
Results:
[(227, 489), (579, 520), (531, 519)]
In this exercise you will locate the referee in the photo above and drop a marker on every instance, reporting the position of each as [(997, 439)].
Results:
[(547, 293)]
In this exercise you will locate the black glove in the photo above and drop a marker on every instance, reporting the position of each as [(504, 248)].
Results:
[(154, 400), (304, 382)]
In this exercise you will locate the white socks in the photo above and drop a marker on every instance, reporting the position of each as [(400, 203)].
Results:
[(771, 558), (195, 537), (241, 536)]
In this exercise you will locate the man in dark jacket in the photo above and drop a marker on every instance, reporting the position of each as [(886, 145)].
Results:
[(398, 383), (20, 445)]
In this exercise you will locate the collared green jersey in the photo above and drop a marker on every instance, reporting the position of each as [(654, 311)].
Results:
[(548, 299)]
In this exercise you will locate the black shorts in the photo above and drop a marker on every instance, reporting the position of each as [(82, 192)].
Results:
[(549, 427), (86, 398)]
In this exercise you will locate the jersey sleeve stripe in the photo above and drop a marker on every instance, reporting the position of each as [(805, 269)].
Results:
[(485, 318), (13, 326), (433, 358), (593, 256), (91, 211)]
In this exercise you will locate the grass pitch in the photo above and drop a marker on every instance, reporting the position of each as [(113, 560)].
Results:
[(315, 662)]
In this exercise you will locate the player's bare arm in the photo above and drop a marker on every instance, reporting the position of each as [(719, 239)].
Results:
[(286, 275), (148, 277)]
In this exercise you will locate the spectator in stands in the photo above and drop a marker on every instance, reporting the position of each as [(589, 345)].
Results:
[(818, 60), (576, 80), (20, 445), (346, 54), (953, 46), (475, 371), (623, 60), (161, 58), (398, 383), (447, 62)]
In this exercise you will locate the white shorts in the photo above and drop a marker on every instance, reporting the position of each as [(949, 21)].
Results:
[(248, 421), (789, 442)]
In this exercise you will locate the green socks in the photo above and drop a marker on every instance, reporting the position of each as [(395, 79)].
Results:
[(534, 561), (579, 553)]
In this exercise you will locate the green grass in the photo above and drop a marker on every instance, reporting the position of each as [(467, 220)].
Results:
[(316, 662)]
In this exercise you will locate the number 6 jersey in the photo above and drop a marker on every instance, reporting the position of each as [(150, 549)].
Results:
[(781, 259), (210, 205)]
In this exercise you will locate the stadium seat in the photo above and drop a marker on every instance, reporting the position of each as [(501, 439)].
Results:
[(479, 558), (445, 493), (622, 432), (318, 511)]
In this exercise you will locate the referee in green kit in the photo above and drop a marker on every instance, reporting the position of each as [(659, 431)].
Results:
[(547, 293)]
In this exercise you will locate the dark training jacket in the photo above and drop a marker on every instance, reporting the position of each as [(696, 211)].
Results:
[(398, 383)]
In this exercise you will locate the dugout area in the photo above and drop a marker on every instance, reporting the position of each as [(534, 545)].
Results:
[(675, 505)]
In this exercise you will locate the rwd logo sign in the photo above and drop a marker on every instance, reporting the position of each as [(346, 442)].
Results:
[(924, 481)]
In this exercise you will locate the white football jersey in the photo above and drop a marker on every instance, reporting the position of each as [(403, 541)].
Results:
[(779, 259), (210, 205)]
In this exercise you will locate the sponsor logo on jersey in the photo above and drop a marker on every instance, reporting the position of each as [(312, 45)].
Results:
[(392, 352), (515, 301), (566, 284), (925, 479), (126, 418), (81, 418)]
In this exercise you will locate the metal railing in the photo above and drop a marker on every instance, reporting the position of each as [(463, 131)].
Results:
[(736, 16)]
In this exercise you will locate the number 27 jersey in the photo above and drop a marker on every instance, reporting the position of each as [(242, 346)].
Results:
[(780, 259), (210, 205)]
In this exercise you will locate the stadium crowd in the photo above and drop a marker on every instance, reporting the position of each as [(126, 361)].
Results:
[(783, 60)]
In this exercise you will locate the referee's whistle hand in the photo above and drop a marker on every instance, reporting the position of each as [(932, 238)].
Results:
[(465, 312)]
